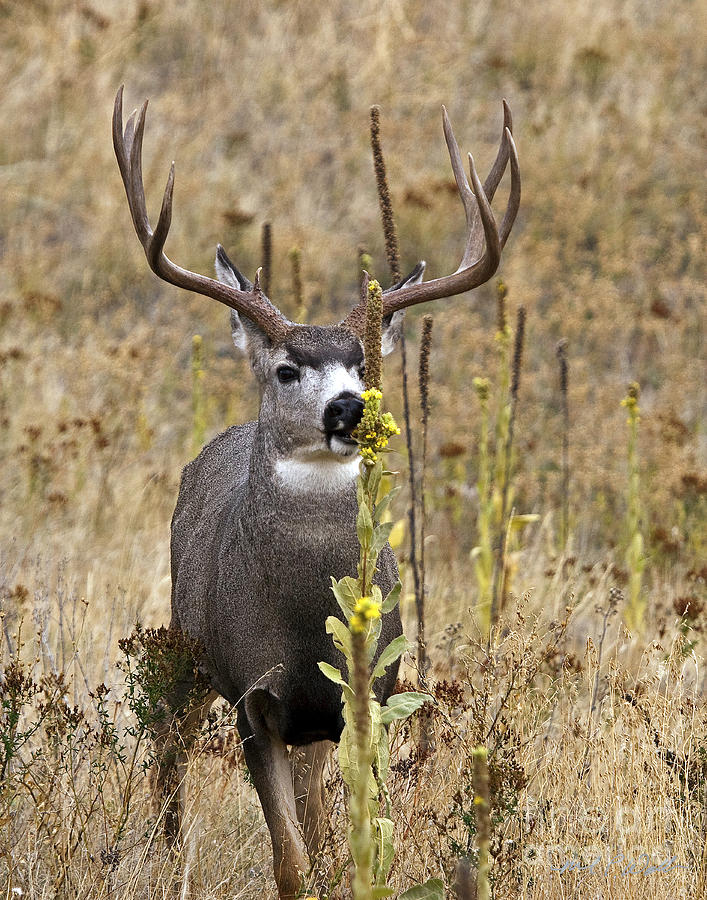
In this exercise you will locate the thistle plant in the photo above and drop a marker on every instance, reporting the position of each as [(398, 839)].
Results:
[(635, 560), (363, 749)]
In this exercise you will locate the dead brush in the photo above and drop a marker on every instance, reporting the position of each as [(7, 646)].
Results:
[(53, 749), (501, 699)]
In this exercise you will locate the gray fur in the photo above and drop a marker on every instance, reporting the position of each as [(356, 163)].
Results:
[(252, 558)]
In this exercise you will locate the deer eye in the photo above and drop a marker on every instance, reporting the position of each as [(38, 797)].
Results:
[(286, 374)]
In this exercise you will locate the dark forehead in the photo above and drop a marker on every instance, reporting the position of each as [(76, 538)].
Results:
[(318, 346)]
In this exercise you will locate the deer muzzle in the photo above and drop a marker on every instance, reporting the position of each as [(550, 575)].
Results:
[(342, 415)]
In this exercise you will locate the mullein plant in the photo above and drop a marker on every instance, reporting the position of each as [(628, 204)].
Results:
[(565, 410), (635, 559), (198, 399), (482, 808), (492, 469), (482, 554), (363, 749), (297, 288), (496, 519)]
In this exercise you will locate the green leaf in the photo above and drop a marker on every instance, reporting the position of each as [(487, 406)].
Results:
[(374, 633), (391, 601), (374, 478), (332, 673), (360, 494), (400, 706), (381, 891), (347, 592), (345, 753), (383, 829), (393, 651), (518, 523), (380, 536), (342, 635), (384, 503), (382, 751), (364, 525), (430, 890)]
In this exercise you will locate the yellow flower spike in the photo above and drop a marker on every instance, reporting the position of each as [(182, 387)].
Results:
[(365, 610)]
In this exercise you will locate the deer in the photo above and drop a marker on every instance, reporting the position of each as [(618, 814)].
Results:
[(265, 514)]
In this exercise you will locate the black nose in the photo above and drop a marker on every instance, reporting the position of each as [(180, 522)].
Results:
[(343, 413)]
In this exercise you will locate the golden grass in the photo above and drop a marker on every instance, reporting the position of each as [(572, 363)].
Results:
[(264, 106)]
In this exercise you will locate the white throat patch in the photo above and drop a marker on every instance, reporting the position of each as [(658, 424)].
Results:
[(317, 475)]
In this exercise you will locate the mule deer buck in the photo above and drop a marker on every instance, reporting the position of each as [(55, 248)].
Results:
[(266, 512)]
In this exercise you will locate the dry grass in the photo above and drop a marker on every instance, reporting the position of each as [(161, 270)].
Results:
[(265, 109)]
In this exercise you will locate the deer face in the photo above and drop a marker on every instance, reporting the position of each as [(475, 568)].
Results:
[(311, 386), (311, 381)]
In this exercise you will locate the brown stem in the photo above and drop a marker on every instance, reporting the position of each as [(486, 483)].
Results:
[(500, 570)]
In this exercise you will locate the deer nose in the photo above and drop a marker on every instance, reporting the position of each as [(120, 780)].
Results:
[(343, 413)]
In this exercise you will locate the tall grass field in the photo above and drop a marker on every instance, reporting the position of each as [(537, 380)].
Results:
[(565, 479)]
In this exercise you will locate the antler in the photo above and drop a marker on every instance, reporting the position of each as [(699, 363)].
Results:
[(482, 232), (128, 149)]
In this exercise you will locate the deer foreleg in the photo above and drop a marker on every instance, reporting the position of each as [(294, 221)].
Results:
[(270, 768), (307, 771)]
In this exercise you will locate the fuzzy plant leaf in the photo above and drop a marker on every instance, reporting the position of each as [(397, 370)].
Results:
[(400, 706), (391, 601), (382, 753), (364, 526), (347, 592), (374, 478), (380, 536), (430, 890), (341, 634), (383, 829), (332, 673), (393, 651), (383, 504), (518, 523)]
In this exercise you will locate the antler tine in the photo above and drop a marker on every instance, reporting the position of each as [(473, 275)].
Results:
[(493, 179), (128, 150), (465, 192), (120, 140), (488, 263), (514, 198), (475, 235), (165, 220), (482, 232), (137, 188)]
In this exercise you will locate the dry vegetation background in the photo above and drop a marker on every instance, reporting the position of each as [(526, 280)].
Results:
[(601, 746)]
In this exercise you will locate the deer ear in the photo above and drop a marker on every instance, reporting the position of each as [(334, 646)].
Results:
[(247, 336), (227, 272), (393, 324)]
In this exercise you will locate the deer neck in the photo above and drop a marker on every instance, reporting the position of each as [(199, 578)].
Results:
[(301, 482)]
